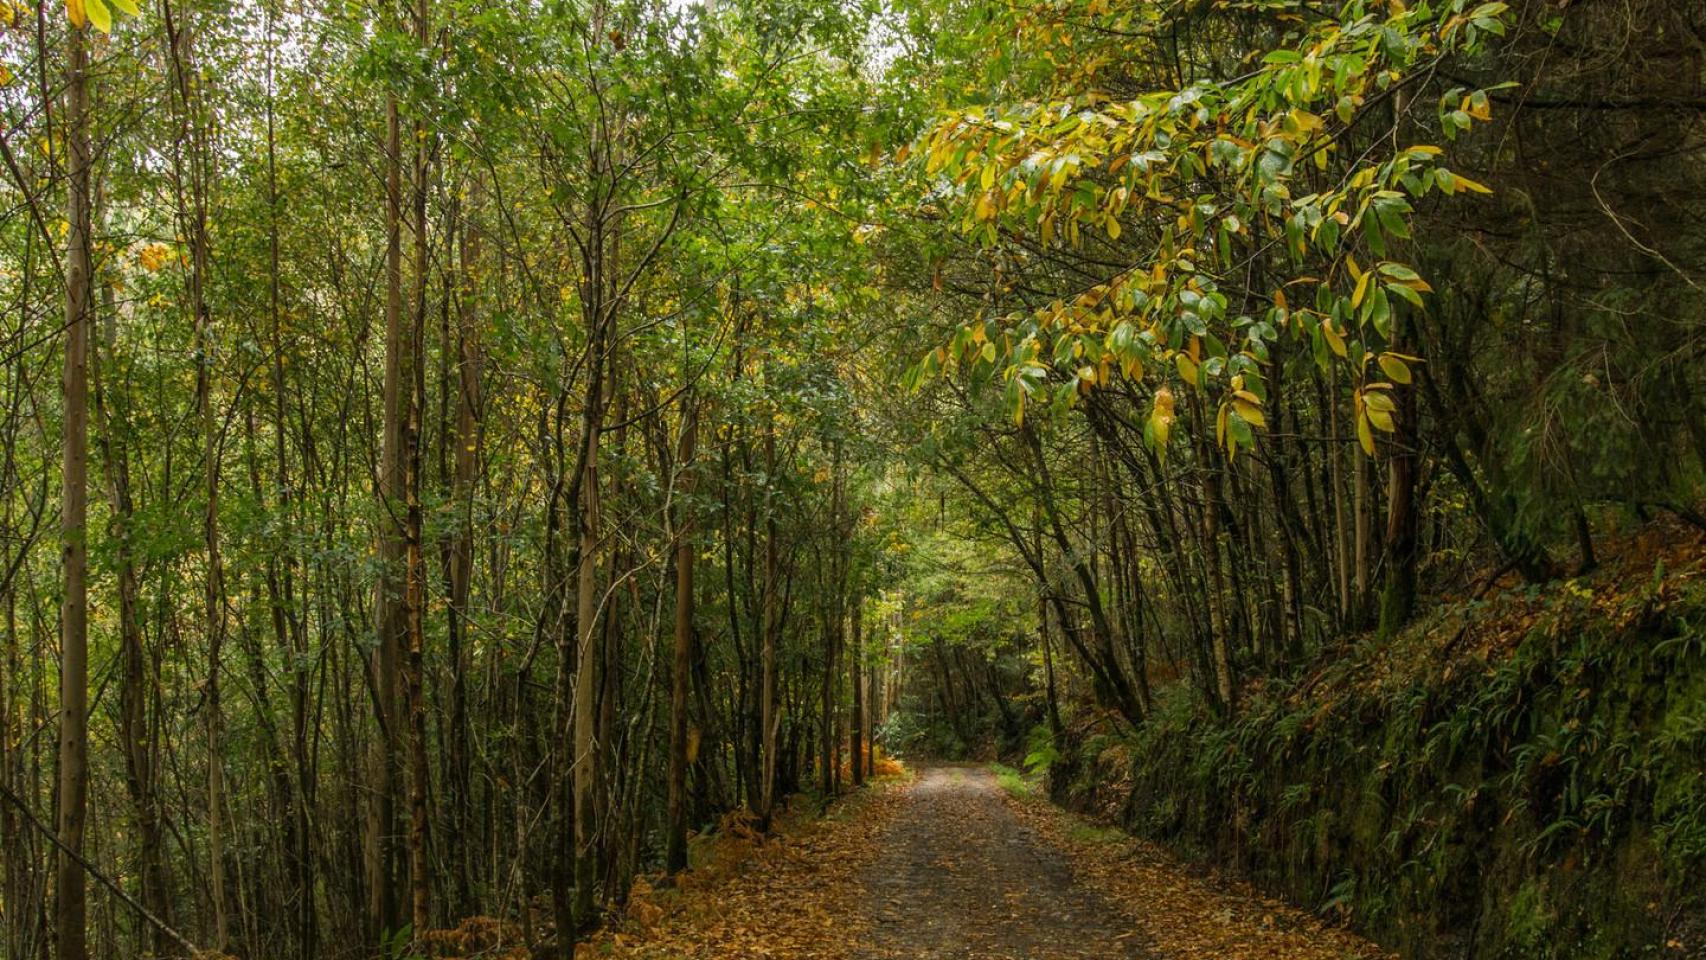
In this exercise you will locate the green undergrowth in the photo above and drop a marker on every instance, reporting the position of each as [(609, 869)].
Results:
[(1543, 796), (1011, 780), (1086, 832)]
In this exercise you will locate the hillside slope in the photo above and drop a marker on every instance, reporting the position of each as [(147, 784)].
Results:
[(1518, 776)]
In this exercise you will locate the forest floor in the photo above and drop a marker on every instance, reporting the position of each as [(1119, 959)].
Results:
[(952, 863)]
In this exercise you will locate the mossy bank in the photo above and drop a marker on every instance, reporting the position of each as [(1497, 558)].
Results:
[(1524, 777)]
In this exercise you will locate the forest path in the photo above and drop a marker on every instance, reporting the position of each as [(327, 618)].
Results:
[(961, 875), (946, 863)]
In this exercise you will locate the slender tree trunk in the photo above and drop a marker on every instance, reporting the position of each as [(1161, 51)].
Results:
[(1398, 593), (415, 561), (1290, 528), (855, 668), (1054, 724), (136, 740), (468, 439), (390, 609), (675, 857), (608, 774), (288, 628), (1104, 660), (834, 586), (19, 869), (70, 890), (192, 215), (414, 573), (1361, 549), (1129, 587), (1209, 525), (588, 649), (768, 716), (1341, 526)]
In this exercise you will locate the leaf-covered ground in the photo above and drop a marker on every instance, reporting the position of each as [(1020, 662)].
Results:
[(947, 864), (1180, 913), (793, 894)]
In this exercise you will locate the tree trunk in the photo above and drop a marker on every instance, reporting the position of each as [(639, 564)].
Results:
[(1341, 526), (768, 718), (1361, 539), (1054, 725), (1104, 661), (192, 217), (833, 585), (136, 741), (414, 572), (468, 437), (1398, 594), (390, 610), (69, 903), (675, 857), (588, 654), (855, 664)]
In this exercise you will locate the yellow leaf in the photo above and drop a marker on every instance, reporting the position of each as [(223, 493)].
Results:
[(1161, 417), (99, 15), (1395, 368), (1365, 436), (1361, 290), (1333, 339), (1378, 401), (1187, 368), (74, 10), (1381, 419)]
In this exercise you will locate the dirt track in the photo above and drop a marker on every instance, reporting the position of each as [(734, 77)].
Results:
[(962, 876)]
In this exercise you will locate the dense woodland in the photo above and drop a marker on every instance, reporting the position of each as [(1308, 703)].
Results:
[(454, 454)]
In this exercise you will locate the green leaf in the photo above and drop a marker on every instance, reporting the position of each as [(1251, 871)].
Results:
[(1380, 312), (1409, 294), (99, 15)]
